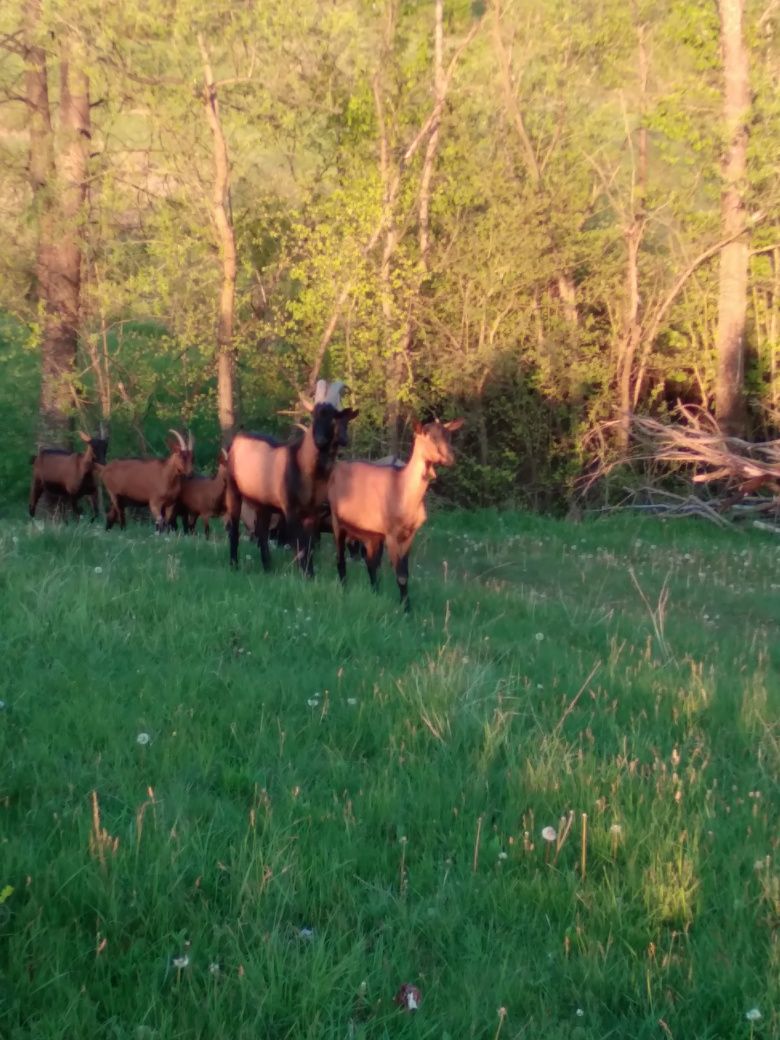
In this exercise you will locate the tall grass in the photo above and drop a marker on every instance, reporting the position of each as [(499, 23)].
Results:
[(334, 799)]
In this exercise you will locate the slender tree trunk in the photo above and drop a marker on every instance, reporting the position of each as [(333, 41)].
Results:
[(567, 288), (733, 284), (226, 240), (58, 178)]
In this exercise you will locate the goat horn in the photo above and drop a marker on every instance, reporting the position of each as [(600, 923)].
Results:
[(321, 391), (179, 438), (190, 440), (335, 390)]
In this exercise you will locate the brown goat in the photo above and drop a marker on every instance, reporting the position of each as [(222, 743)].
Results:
[(290, 479), (201, 496), (379, 503), (68, 474), (152, 482)]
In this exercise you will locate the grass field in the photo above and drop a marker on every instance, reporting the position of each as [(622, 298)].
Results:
[(306, 798)]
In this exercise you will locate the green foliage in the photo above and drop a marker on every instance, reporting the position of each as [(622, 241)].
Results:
[(481, 318)]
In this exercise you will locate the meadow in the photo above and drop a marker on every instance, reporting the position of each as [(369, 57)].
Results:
[(235, 805)]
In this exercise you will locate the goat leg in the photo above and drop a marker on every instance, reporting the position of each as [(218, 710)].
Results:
[(402, 577), (373, 548), (262, 526), (341, 560), (36, 490)]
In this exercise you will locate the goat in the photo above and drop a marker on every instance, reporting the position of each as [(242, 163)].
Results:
[(201, 496), (153, 482), (290, 479), (68, 474), (380, 503)]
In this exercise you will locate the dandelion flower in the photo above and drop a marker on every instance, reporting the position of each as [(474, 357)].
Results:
[(312, 702), (98, 570), (579, 1013), (549, 834), (539, 637), (181, 962), (143, 739), (753, 1015)]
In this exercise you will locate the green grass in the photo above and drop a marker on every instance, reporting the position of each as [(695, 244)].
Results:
[(317, 760)]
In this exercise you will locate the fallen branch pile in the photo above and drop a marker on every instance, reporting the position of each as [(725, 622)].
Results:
[(743, 469)]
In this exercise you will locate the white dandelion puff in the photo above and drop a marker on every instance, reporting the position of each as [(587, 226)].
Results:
[(549, 834), (312, 702), (98, 570), (579, 1013), (143, 739), (502, 855), (214, 968), (753, 1015), (306, 933), (180, 963), (616, 830), (352, 701), (539, 637)]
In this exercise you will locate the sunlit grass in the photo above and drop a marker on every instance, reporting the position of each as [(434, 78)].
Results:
[(329, 799)]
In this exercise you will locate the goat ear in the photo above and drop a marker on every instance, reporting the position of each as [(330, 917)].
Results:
[(85, 437), (453, 424), (306, 403)]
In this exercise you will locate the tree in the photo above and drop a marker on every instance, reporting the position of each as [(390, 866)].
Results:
[(58, 172), (733, 284)]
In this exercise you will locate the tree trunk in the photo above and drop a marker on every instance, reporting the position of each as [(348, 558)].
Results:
[(226, 241), (59, 184), (733, 283)]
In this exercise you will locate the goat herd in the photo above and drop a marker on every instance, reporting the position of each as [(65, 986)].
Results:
[(299, 486)]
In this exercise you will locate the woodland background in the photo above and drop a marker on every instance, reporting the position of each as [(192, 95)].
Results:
[(540, 215)]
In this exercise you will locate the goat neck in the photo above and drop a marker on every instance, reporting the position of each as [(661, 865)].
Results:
[(414, 478)]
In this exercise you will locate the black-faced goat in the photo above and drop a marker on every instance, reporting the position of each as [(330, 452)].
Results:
[(290, 479), (155, 483), (378, 503), (67, 474)]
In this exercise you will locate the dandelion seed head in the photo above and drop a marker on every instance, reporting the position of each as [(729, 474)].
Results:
[(753, 1015), (502, 855), (143, 739), (352, 700), (539, 637), (549, 834), (181, 962), (579, 1013), (306, 933), (214, 968), (312, 702), (616, 830), (98, 570)]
